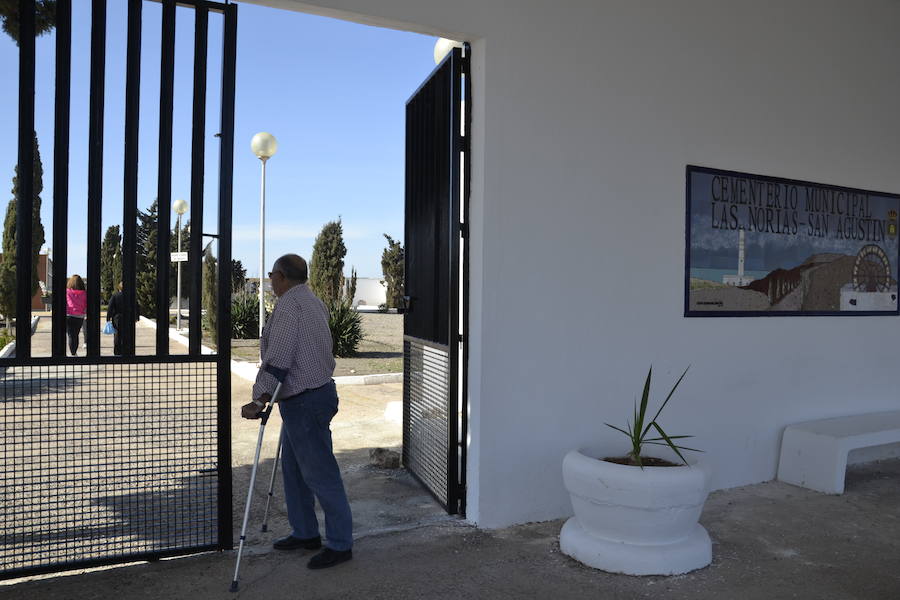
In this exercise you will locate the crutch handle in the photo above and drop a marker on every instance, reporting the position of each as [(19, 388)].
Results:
[(267, 411), (280, 375)]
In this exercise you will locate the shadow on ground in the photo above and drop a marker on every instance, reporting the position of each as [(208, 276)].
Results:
[(381, 500), (182, 513), (376, 354), (770, 541)]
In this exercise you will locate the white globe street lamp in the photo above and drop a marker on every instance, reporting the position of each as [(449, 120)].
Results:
[(442, 48), (264, 146), (180, 207)]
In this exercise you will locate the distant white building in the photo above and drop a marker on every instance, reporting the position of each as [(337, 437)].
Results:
[(252, 284), (370, 293)]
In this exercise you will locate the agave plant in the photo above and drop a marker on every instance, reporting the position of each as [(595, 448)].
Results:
[(245, 316), (346, 327), (638, 428)]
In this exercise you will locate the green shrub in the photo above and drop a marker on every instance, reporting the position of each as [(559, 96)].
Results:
[(346, 327), (245, 316)]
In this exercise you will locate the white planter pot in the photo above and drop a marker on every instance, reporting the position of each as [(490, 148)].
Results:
[(632, 520)]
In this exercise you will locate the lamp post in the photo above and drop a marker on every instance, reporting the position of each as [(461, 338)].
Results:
[(180, 207), (442, 48), (264, 146)]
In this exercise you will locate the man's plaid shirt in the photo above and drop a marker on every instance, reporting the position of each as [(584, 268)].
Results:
[(296, 339)]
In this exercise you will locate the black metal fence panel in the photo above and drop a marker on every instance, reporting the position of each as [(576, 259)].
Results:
[(106, 459), (105, 462), (428, 187), (426, 415)]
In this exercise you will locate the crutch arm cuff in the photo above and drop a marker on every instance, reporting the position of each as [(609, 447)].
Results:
[(278, 374)]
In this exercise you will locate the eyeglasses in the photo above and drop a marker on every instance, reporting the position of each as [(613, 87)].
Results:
[(272, 272)]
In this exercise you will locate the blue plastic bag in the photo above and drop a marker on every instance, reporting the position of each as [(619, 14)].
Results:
[(109, 329)]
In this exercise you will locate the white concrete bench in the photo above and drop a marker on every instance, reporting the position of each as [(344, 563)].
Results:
[(814, 453)]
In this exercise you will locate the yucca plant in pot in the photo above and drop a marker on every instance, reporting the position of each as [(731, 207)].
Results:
[(637, 513)]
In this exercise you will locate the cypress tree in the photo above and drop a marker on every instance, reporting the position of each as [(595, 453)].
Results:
[(210, 320), (37, 228), (8, 265), (326, 268), (110, 262), (392, 266), (9, 276), (238, 276), (350, 286), (146, 260)]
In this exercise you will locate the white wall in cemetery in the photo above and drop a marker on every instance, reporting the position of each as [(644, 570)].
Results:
[(585, 114)]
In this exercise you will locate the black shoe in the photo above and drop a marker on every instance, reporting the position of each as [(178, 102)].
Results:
[(329, 558), (290, 542)]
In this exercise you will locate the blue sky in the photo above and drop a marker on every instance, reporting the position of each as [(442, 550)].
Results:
[(332, 92)]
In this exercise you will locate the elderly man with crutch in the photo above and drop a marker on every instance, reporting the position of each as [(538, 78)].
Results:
[(296, 347)]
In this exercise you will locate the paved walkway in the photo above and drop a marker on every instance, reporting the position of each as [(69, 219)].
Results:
[(144, 343), (770, 542)]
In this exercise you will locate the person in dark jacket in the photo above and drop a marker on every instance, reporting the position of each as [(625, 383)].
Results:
[(114, 313)]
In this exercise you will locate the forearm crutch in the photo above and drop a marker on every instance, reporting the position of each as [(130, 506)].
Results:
[(265, 525), (264, 417)]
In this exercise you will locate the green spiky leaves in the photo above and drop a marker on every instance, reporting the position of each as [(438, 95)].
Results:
[(638, 428)]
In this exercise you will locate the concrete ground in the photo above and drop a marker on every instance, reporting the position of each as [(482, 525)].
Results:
[(381, 499), (770, 541)]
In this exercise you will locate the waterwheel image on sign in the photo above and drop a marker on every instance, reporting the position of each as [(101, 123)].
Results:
[(764, 246)]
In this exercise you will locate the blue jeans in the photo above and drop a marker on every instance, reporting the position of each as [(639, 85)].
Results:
[(310, 470)]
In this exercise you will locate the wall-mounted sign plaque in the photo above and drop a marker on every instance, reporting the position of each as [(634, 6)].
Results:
[(763, 246)]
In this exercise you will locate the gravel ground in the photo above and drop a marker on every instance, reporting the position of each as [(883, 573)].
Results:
[(381, 349), (771, 541)]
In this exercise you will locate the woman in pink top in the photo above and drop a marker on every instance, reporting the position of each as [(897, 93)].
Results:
[(76, 308)]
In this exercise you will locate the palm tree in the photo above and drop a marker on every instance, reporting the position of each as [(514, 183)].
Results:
[(45, 17)]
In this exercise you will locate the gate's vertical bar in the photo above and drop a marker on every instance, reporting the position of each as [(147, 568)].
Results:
[(453, 339), (129, 209), (223, 336), (25, 201), (164, 181), (61, 174), (198, 153), (466, 249), (405, 456), (95, 173)]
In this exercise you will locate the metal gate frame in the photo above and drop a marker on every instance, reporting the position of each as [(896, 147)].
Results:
[(436, 321), (220, 362)]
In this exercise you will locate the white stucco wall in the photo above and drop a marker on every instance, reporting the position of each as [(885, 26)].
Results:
[(586, 113)]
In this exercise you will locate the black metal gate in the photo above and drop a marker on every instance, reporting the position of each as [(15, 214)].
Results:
[(107, 459), (435, 323)]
